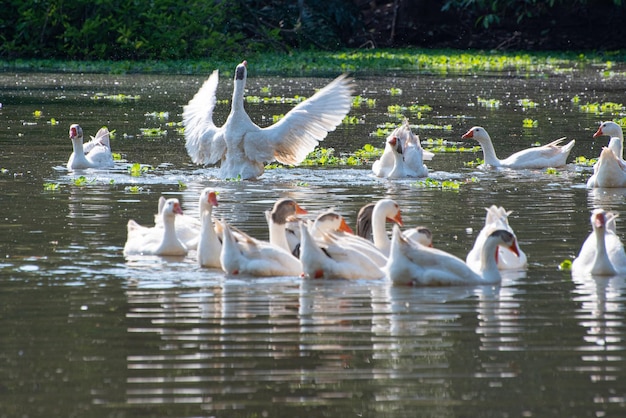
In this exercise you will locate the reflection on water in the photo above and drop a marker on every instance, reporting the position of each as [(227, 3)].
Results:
[(88, 332)]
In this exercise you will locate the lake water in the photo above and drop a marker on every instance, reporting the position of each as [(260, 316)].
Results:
[(86, 332)]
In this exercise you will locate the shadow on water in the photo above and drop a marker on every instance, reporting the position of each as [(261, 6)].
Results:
[(90, 332)]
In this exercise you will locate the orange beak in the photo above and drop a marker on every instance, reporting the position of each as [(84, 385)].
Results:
[(178, 209), (397, 219), (598, 132), (213, 199), (300, 211), (468, 135), (345, 227), (393, 141)]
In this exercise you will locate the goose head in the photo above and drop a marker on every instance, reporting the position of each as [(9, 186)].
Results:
[(478, 133), (76, 132), (503, 238), (208, 200), (609, 128), (241, 72), (172, 208), (390, 209), (284, 209), (395, 143), (331, 222)]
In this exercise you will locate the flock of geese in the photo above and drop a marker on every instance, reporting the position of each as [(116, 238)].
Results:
[(325, 247)]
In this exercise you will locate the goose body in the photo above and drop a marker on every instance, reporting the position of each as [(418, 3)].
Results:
[(94, 154), (602, 253), (157, 240), (610, 169), (549, 155), (497, 218), (415, 264), (245, 255), (241, 146), (209, 244), (325, 258), (403, 155)]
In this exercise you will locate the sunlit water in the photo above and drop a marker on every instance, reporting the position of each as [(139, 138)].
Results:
[(86, 332)]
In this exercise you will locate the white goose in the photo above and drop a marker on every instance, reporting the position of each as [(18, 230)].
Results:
[(249, 256), (325, 258), (156, 241), (403, 155), (497, 218), (613, 131), (209, 244), (187, 227), (419, 234), (241, 146), (94, 154), (549, 155), (283, 212), (331, 226), (415, 264), (602, 252), (610, 169)]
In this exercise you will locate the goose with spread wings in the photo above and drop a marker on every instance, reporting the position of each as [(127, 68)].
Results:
[(241, 147)]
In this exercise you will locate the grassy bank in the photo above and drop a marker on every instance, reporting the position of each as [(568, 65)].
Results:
[(354, 61)]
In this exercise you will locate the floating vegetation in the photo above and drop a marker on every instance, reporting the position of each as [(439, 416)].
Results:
[(83, 181), (53, 122), (384, 129), (359, 101), (267, 90), (474, 163), (352, 120), (158, 115), (442, 146), (153, 132), (431, 183), (552, 171), (235, 179), (527, 103), (566, 265), (51, 187), (321, 156), (394, 91), (4, 170), (181, 185), (530, 123), (133, 189), (415, 110), (121, 98), (37, 114), (275, 100), (576, 99), (488, 103), (116, 156), (584, 161), (136, 169), (602, 108)]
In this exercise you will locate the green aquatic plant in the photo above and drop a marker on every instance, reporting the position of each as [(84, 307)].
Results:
[(552, 171), (602, 108), (136, 169), (565, 265), (352, 120), (474, 163), (584, 161), (488, 103), (527, 103), (82, 181), (275, 100), (37, 114), (395, 91), (153, 132), (53, 122), (234, 179), (358, 101), (267, 90), (158, 115), (133, 189), (51, 187), (431, 183), (121, 98), (530, 123), (321, 156), (181, 185)]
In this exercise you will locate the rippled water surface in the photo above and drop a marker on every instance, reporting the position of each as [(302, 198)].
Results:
[(86, 332)]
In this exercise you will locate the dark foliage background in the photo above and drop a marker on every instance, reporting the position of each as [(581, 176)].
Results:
[(175, 29)]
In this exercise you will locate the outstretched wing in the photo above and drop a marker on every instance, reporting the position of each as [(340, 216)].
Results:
[(292, 138), (204, 142)]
